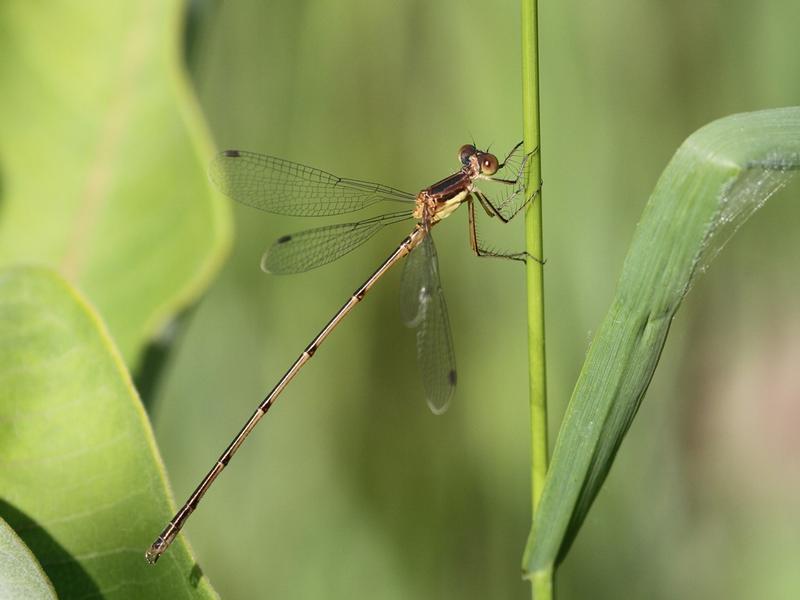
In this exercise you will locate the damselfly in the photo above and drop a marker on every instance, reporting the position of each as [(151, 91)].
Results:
[(282, 187)]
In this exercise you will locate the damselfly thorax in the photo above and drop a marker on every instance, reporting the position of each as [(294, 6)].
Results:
[(441, 199)]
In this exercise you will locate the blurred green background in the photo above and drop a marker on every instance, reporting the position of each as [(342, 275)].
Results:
[(351, 488)]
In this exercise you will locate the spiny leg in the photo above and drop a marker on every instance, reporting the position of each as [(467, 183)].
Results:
[(499, 209), (475, 243), (511, 153)]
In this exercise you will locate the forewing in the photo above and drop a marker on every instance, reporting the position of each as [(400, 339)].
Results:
[(422, 306), (316, 247), (279, 186)]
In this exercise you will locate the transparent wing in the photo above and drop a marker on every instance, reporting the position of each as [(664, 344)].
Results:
[(422, 306), (279, 186), (316, 247), (414, 287)]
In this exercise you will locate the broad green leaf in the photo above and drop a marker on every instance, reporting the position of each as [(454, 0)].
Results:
[(103, 159), (718, 177), (20, 575), (82, 482)]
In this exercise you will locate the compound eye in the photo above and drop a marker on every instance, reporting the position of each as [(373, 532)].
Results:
[(465, 152), (489, 164)]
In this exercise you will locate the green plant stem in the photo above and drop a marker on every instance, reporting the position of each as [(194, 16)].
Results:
[(542, 588)]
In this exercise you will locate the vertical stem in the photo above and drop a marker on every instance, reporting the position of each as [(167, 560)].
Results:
[(542, 583)]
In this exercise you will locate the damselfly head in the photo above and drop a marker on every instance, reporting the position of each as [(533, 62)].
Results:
[(466, 152), (488, 163)]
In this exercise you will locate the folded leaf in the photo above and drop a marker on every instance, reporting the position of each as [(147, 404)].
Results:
[(20, 575), (718, 177), (81, 481), (103, 159)]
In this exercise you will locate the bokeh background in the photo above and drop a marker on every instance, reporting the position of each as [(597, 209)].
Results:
[(351, 488)]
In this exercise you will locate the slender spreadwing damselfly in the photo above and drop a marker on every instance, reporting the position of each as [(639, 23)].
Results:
[(286, 188)]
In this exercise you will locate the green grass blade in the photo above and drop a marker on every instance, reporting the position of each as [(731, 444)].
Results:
[(534, 246), (718, 177), (82, 483), (542, 587)]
